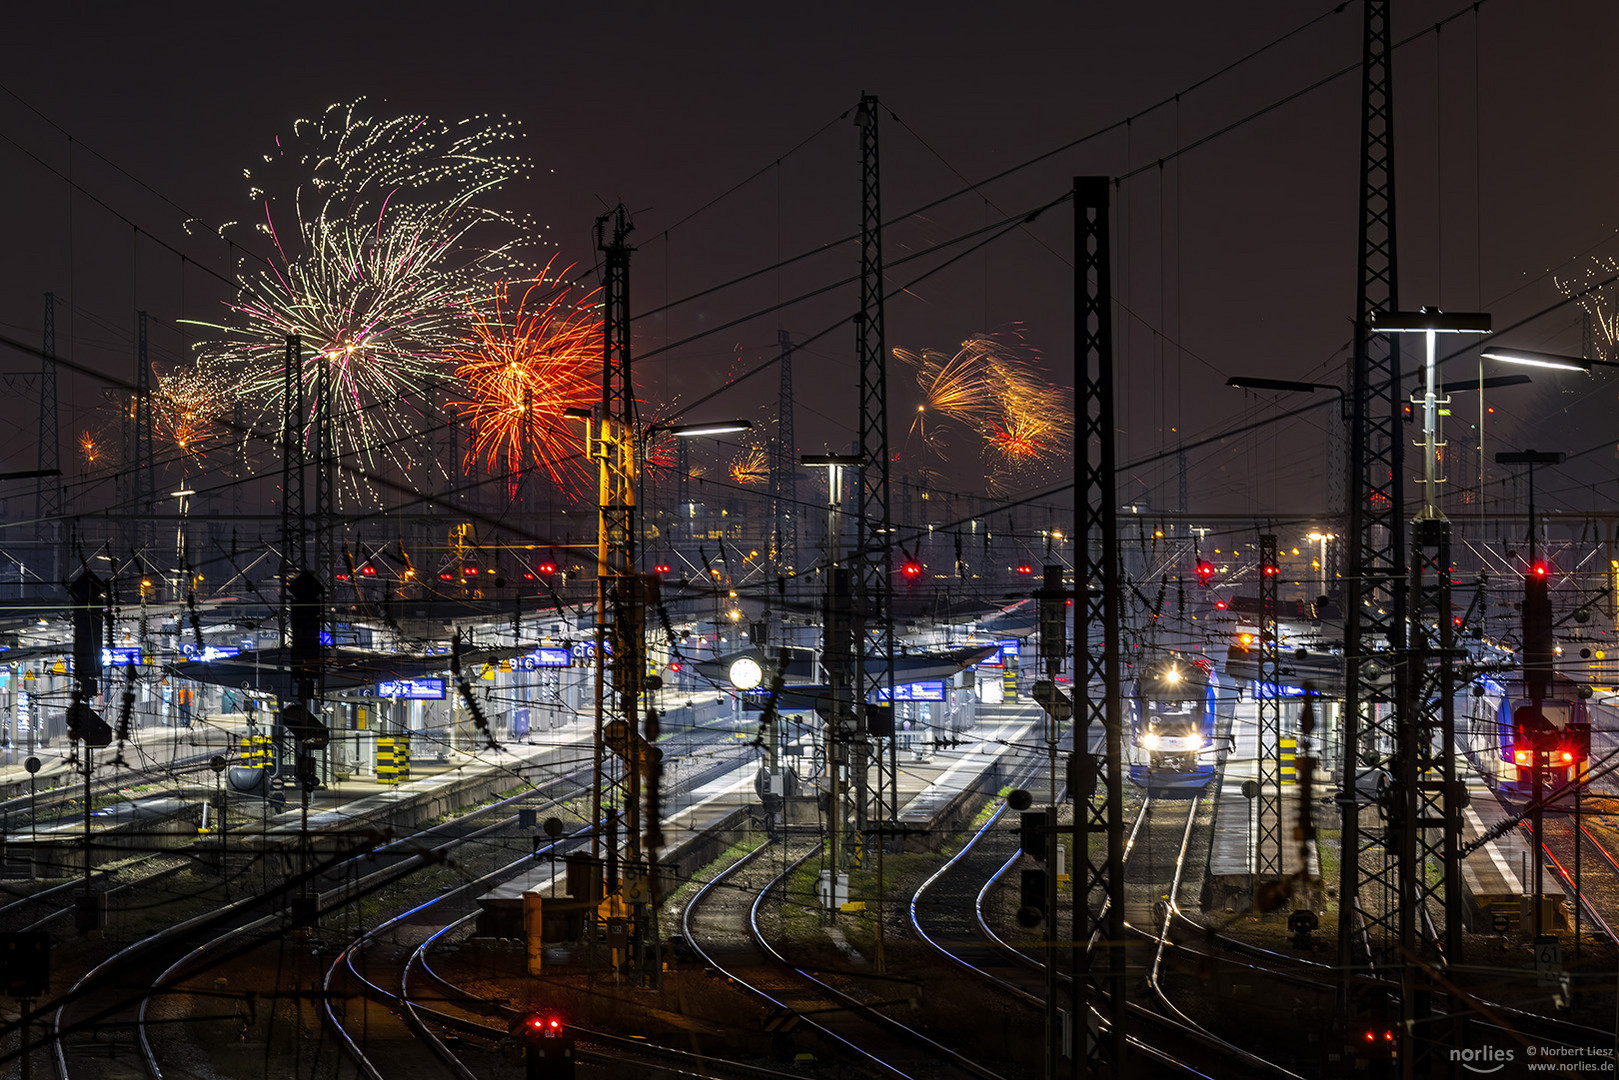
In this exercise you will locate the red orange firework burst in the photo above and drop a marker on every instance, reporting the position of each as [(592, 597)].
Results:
[(994, 389), (751, 467), (524, 369), (188, 405)]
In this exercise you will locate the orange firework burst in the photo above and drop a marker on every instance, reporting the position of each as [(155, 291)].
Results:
[(90, 449), (955, 386), (751, 467), (992, 387), (188, 404), (524, 369)]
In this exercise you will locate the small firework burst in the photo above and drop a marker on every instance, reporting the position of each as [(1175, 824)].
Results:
[(992, 388), (188, 404), (752, 467)]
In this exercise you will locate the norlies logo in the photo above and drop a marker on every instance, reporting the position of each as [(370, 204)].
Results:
[(1483, 1059)]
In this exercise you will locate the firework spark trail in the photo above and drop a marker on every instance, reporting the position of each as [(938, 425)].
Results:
[(1601, 306), (993, 389), (381, 247), (188, 404), (752, 467), (525, 367)]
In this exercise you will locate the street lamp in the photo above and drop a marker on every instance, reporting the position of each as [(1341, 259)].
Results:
[(840, 671), (1555, 361), (1430, 322), (1253, 382)]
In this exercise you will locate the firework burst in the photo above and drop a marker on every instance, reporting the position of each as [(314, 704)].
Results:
[(751, 467), (525, 367), (380, 244), (188, 404), (991, 388)]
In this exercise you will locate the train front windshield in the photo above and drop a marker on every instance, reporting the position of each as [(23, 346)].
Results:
[(1173, 725)]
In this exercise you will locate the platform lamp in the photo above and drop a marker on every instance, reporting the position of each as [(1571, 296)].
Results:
[(1430, 323), (838, 727)]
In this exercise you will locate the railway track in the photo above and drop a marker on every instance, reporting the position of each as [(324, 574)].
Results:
[(124, 1011), (723, 924)]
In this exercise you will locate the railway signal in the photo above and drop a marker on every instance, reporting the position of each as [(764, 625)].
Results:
[(548, 1046), (1538, 647), (1205, 571), (1053, 603)]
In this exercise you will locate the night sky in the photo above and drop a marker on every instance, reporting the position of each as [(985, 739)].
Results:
[(1237, 256)]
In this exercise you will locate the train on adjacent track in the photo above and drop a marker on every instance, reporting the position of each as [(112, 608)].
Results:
[(1174, 712), (1501, 734)]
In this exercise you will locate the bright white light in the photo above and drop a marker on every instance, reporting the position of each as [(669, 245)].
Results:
[(1173, 675), (1537, 359), (1150, 740), (746, 673)]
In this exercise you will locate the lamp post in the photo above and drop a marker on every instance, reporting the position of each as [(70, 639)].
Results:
[(837, 654), (1430, 322), (1254, 382)]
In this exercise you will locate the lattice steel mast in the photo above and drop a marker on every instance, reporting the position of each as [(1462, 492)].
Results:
[(1369, 912), (1096, 784), (622, 597), (1268, 699), (874, 625)]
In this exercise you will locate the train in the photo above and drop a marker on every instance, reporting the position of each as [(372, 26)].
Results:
[(1174, 709), (1500, 734)]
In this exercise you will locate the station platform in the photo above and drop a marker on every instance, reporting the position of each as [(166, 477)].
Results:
[(1229, 885), (433, 789), (1497, 879), (1231, 878), (933, 797)]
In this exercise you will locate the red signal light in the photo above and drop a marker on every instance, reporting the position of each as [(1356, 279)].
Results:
[(675, 666), (446, 576), (469, 570), (369, 571), (1219, 605), (1205, 571), (1025, 568), (1270, 569), (342, 577), (548, 568), (912, 569), (1539, 569), (662, 568)]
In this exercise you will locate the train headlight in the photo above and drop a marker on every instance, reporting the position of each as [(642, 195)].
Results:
[(1520, 757), (1568, 757), (1150, 740)]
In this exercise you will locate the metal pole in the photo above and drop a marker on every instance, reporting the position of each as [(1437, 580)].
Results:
[(1537, 771)]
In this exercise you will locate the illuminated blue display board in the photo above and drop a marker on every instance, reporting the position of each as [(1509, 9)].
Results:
[(122, 656), (412, 689), (921, 691), (190, 651), (546, 656)]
